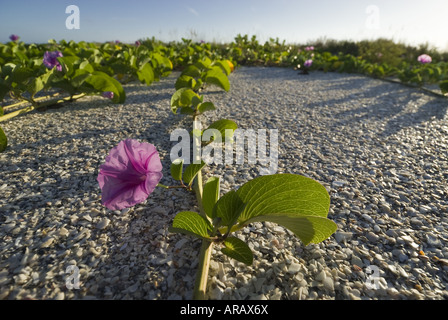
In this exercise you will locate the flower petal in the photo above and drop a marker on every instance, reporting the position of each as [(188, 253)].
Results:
[(153, 163), (135, 151), (144, 156), (118, 194), (131, 172), (152, 179)]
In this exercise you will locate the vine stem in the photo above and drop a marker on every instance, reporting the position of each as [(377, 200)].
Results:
[(37, 106), (24, 101), (200, 287), (171, 187), (204, 255)]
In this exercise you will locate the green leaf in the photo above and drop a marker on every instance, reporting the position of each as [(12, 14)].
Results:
[(175, 100), (146, 74), (3, 140), (223, 125), (67, 63), (298, 203), (85, 65), (444, 86), (191, 223), (161, 60), (284, 193), (102, 82), (133, 61), (48, 77), (186, 110), (203, 64), (189, 97), (22, 57), (228, 208), (185, 81), (206, 106), (210, 195), (238, 250), (191, 171), (176, 169), (120, 67), (20, 74), (309, 229), (35, 86), (437, 72), (4, 89), (224, 65), (79, 77), (191, 71), (218, 78), (64, 84), (184, 97), (7, 70), (198, 85)]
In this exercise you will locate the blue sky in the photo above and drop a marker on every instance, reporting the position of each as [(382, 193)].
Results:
[(409, 21)]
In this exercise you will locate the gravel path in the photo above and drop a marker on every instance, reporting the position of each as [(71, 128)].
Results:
[(379, 148)]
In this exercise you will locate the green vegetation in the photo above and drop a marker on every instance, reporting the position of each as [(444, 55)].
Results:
[(27, 82)]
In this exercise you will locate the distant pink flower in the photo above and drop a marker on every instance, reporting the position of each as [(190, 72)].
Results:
[(308, 63), (108, 94), (51, 60), (424, 58), (130, 174), (310, 48), (138, 43), (14, 37)]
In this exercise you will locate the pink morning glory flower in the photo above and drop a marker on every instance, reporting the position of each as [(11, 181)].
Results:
[(137, 43), (424, 58), (14, 37), (51, 60), (130, 174), (310, 48), (308, 63), (108, 94)]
